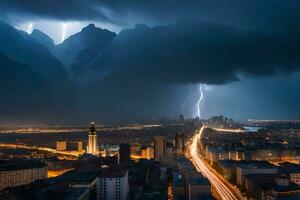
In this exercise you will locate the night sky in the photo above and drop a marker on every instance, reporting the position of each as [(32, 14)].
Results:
[(246, 55)]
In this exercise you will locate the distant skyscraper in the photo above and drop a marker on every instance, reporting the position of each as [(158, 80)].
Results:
[(159, 148), (124, 153), (92, 147)]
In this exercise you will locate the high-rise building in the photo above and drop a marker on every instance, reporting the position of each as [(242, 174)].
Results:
[(159, 148), (92, 147), (124, 153), (113, 184)]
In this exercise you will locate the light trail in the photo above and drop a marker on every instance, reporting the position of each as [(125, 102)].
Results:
[(224, 189), (21, 146)]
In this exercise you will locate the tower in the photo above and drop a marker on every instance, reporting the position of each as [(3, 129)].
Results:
[(92, 147)]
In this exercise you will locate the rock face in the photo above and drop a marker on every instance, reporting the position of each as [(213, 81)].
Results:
[(25, 49), (43, 39), (80, 53), (31, 78)]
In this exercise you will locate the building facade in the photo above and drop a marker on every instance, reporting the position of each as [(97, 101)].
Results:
[(113, 184), (61, 145), (21, 172), (159, 148)]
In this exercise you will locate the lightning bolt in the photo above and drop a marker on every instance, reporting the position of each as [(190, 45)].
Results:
[(64, 31), (30, 26), (199, 102)]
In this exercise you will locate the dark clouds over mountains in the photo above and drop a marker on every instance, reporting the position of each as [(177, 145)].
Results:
[(199, 52), (142, 71)]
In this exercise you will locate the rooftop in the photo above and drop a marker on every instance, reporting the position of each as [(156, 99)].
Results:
[(267, 182), (113, 172), (229, 163), (79, 176), (257, 165), (261, 178), (20, 164), (278, 188), (290, 167)]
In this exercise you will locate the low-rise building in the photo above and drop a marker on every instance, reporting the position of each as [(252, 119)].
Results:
[(228, 168), (215, 154), (61, 145), (271, 187), (254, 167), (293, 170), (254, 183), (283, 188), (21, 172)]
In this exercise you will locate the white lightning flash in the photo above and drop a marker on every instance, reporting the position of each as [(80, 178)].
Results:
[(199, 102), (30, 26), (64, 31)]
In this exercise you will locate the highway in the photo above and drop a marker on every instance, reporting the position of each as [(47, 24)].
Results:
[(65, 153), (223, 188)]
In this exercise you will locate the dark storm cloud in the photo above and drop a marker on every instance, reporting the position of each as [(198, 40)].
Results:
[(52, 9), (253, 37), (199, 52), (273, 14)]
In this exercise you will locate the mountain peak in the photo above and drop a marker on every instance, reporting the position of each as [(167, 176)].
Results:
[(42, 38), (89, 27), (141, 27)]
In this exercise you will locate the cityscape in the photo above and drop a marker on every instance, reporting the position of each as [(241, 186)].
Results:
[(216, 158), (149, 100)]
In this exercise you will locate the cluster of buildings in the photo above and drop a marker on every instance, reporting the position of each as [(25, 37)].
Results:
[(262, 179), (157, 171), (262, 168), (265, 153)]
